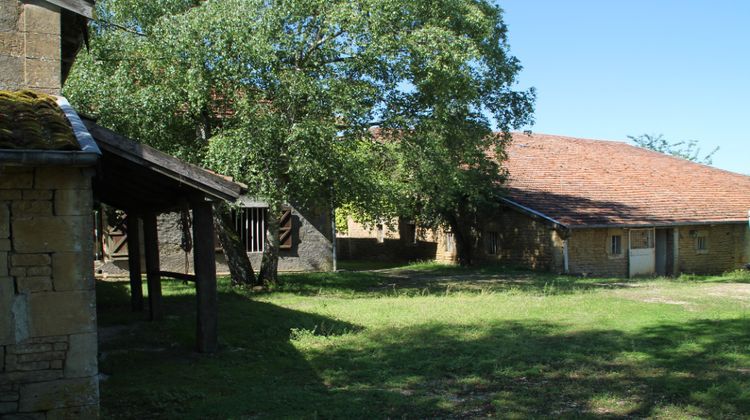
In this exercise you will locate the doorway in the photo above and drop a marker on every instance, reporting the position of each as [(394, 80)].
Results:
[(664, 252), (642, 252)]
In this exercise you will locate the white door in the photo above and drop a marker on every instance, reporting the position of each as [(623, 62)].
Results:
[(642, 252)]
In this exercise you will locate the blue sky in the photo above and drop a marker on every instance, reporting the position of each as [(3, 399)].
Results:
[(608, 69)]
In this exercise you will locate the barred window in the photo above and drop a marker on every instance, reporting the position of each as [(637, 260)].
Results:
[(491, 243), (701, 243), (250, 224), (615, 247)]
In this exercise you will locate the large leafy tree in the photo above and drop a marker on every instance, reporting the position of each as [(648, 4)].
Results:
[(283, 96)]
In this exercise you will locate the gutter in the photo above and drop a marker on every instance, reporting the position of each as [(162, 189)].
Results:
[(535, 213), (657, 225), (88, 155)]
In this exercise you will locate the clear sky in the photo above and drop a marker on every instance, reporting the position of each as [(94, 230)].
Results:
[(606, 69)]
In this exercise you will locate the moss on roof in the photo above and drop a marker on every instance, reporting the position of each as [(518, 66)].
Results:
[(31, 120)]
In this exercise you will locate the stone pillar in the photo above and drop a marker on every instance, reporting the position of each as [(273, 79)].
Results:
[(30, 46), (48, 341)]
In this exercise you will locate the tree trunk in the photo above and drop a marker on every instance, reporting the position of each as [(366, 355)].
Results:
[(240, 268), (462, 227), (269, 268), (464, 241)]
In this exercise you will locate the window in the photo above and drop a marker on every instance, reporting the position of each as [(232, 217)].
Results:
[(701, 243), (641, 238), (449, 242), (615, 246), (250, 224), (491, 243)]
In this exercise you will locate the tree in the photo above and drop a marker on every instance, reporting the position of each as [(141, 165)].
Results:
[(282, 96), (683, 149)]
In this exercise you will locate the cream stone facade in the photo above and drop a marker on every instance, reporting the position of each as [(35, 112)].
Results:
[(525, 241), (30, 46), (48, 340)]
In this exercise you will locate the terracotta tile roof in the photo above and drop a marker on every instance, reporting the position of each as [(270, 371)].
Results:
[(33, 121), (582, 182)]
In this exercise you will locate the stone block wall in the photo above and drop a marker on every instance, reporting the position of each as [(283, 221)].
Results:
[(522, 241), (727, 248), (30, 46), (311, 248), (48, 341), (589, 253), (361, 242)]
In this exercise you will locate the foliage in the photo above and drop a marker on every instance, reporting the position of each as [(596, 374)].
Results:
[(427, 341), (683, 149), (282, 95)]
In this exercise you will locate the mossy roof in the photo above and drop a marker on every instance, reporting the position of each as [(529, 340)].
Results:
[(33, 121)]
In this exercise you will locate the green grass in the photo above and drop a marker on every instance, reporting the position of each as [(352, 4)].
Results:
[(429, 340)]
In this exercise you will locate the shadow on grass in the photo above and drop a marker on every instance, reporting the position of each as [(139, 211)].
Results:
[(441, 279), (526, 370), (276, 362), (152, 371)]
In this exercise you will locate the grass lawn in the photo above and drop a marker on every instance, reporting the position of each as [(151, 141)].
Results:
[(428, 340)]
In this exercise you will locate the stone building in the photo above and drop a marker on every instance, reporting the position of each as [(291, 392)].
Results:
[(48, 345), (604, 208), (305, 240)]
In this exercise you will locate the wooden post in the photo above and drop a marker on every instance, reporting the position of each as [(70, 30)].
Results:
[(134, 262), (205, 273), (151, 245)]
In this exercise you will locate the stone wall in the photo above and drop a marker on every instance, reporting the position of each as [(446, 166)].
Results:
[(48, 347), (311, 248), (589, 250), (589, 253), (522, 241), (727, 248), (30, 46), (387, 243)]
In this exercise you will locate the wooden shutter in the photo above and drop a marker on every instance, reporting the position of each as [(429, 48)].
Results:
[(117, 239), (285, 228)]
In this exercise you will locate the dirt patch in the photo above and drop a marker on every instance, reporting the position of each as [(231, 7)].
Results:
[(739, 291), (665, 301)]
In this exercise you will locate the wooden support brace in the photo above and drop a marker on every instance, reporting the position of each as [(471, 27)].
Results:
[(178, 276), (151, 245), (134, 262), (205, 277)]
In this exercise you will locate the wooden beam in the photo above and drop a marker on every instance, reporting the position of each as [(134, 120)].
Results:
[(181, 172), (134, 262), (178, 276), (205, 273), (151, 245), (82, 7)]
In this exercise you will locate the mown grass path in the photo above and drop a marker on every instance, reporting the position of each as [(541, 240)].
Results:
[(437, 341)]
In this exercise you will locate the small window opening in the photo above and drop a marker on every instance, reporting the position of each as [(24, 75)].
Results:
[(250, 224), (616, 245), (701, 243), (492, 243)]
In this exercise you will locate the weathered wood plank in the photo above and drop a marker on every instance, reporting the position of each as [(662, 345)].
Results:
[(205, 273), (134, 262), (178, 276), (82, 7), (151, 245), (182, 172)]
